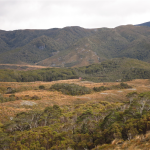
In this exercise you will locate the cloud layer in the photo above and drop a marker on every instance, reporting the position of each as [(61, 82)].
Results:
[(45, 14)]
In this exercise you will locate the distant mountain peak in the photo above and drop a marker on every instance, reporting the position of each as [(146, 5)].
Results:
[(144, 24)]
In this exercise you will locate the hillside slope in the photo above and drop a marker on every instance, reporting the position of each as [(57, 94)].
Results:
[(74, 46), (116, 69)]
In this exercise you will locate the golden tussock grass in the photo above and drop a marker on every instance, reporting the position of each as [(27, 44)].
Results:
[(48, 98)]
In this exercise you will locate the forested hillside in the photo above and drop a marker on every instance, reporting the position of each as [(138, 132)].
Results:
[(74, 46), (118, 69)]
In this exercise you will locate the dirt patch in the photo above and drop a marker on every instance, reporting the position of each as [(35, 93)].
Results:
[(28, 103), (83, 97), (132, 89), (104, 93)]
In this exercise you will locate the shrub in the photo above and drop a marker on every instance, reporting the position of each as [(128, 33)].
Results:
[(7, 99), (35, 97), (121, 86), (10, 90), (101, 88), (42, 87), (12, 97), (84, 115), (70, 89)]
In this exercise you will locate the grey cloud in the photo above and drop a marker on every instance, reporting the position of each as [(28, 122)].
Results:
[(17, 14)]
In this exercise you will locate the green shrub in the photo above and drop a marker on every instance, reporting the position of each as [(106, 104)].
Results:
[(101, 88), (121, 86), (42, 87), (35, 97), (70, 89), (10, 90), (12, 97), (7, 99), (84, 115)]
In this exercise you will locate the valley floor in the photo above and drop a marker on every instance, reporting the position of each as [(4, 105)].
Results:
[(26, 91)]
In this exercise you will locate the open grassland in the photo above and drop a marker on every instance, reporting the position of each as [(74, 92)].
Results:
[(29, 96), (22, 66)]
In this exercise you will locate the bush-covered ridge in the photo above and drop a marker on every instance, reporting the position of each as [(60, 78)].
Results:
[(119, 69)]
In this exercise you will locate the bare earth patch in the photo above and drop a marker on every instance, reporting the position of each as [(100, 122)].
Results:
[(28, 103)]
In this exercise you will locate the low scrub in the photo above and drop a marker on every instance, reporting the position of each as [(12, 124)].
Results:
[(41, 87), (35, 97), (71, 89), (119, 86), (101, 88), (7, 99)]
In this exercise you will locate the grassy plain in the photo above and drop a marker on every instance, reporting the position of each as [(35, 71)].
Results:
[(28, 95)]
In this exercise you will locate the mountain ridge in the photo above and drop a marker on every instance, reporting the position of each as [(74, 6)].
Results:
[(144, 24), (74, 46)]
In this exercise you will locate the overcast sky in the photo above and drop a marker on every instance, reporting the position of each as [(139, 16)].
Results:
[(46, 14)]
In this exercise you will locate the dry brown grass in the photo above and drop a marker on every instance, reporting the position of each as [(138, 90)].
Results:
[(48, 98), (73, 56), (19, 66), (140, 142), (6, 111)]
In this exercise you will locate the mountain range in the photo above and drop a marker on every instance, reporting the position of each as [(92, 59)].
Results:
[(74, 46)]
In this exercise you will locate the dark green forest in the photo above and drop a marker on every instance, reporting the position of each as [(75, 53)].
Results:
[(49, 74)]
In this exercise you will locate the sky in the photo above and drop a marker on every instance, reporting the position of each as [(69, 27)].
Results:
[(47, 14)]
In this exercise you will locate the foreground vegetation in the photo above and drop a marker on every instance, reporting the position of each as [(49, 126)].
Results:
[(89, 125), (118, 117)]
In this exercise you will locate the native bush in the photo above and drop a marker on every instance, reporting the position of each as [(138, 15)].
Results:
[(119, 86), (101, 88), (42, 87), (71, 89)]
